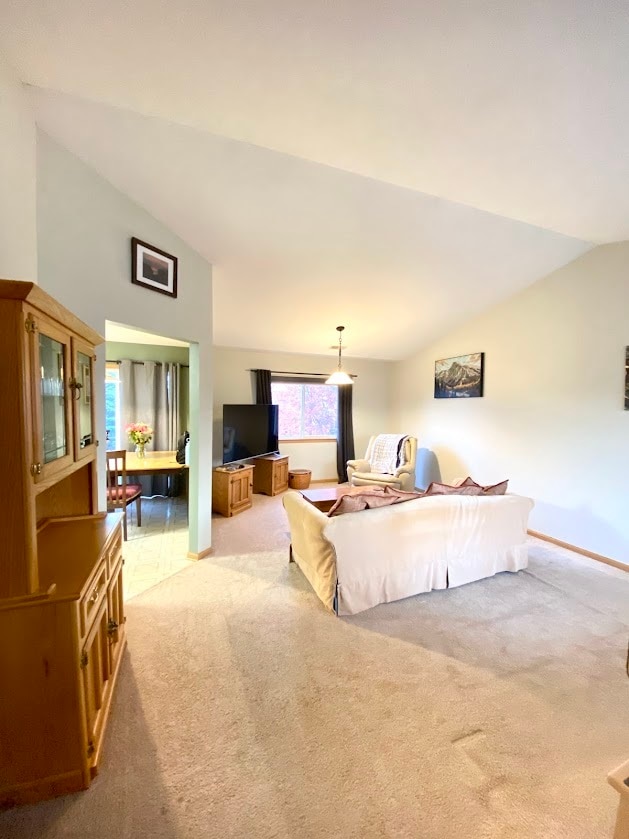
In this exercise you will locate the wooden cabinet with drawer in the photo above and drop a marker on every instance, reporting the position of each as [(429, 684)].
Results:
[(65, 678), (271, 474), (61, 610), (231, 490)]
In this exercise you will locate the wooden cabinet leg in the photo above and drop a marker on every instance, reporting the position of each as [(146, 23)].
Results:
[(619, 779), (622, 819)]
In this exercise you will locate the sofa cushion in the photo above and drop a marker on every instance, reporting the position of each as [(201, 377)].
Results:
[(491, 489), (362, 498), (436, 488), (496, 489), (468, 482)]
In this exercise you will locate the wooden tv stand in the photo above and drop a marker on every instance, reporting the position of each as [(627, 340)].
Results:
[(231, 489), (271, 474)]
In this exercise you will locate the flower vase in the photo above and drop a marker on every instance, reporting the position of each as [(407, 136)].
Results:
[(139, 449)]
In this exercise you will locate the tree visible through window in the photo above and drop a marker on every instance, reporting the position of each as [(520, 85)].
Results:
[(306, 410)]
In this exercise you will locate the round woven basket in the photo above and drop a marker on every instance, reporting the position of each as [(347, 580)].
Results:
[(299, 478)]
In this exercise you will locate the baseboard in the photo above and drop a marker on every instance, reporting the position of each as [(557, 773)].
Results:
[(44, 788), (333, 480), (201, 555), (598, 557)]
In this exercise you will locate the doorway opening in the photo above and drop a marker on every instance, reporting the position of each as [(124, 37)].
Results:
[(147, 386)]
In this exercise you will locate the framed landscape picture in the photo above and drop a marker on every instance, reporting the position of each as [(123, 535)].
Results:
[(153, 268), (459, 377)]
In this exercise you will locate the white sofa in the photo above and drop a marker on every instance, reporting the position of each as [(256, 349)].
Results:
[(356, 560)]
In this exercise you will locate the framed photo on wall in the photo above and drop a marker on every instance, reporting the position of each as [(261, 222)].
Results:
[(153, 268), (459, 377)]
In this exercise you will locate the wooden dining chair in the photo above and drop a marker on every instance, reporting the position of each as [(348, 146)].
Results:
[(119, 492)]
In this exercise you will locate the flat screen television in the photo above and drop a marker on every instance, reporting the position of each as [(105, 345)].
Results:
[(249, 431)]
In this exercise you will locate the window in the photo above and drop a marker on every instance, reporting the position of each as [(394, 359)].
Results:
[(306, 409), (112, 406)]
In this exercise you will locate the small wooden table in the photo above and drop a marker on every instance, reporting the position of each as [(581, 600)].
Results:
[(154, 463), (323, 499)]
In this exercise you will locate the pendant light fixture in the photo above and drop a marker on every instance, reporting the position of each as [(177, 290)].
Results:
[(339, 377)]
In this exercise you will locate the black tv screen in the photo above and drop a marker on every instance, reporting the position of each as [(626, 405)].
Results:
[(249, 431)]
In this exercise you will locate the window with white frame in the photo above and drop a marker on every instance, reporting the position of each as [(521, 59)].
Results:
[(307, 410), (112, 406)]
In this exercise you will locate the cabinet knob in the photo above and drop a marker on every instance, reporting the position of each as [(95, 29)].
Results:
[(112, 626)]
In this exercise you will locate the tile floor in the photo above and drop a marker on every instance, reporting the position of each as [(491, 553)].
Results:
[(157, 549)]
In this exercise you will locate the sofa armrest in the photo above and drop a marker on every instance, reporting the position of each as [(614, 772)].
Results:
[(360, 465), (311, 550), (406, 469)]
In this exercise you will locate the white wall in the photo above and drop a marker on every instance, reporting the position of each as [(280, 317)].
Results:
[(233, 384), (18, 219), (552, 418), (84, 232)]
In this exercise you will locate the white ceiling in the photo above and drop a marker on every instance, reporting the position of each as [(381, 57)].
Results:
[(130, 335), (517, 108)]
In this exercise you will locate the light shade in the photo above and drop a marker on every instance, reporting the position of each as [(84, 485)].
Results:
[(339, 377)]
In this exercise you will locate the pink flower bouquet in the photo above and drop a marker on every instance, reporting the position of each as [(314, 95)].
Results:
[(139, 433)]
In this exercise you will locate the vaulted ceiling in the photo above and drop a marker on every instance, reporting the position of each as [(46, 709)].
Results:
[(396, 166)]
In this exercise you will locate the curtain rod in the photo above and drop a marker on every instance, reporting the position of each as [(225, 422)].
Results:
[(295, 373), (133, 361)]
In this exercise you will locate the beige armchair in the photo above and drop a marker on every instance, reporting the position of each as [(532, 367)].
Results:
[(380, 456)]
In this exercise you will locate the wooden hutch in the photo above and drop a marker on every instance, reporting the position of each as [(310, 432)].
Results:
[(61, 609)]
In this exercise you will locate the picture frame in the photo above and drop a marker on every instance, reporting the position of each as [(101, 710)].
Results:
[(153, 268), (460, 377), (626, 378)]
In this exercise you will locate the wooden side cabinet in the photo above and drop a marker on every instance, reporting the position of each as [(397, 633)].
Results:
[(271, 474), (231, 490), (62, 628)]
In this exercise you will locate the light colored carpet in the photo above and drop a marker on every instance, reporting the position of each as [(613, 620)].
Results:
[(245, 710)]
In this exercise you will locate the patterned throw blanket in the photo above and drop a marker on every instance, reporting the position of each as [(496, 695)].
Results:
[(386, 454)]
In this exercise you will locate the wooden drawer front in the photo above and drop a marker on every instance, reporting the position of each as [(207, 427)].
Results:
[(115, 552), (92, 600)]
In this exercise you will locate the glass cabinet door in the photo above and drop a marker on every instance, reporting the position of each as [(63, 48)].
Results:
[(49, 351), (83, 397), (53, 405)]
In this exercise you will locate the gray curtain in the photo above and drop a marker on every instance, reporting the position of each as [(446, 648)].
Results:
[(149, 392), (345, 440), (263, 387)]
